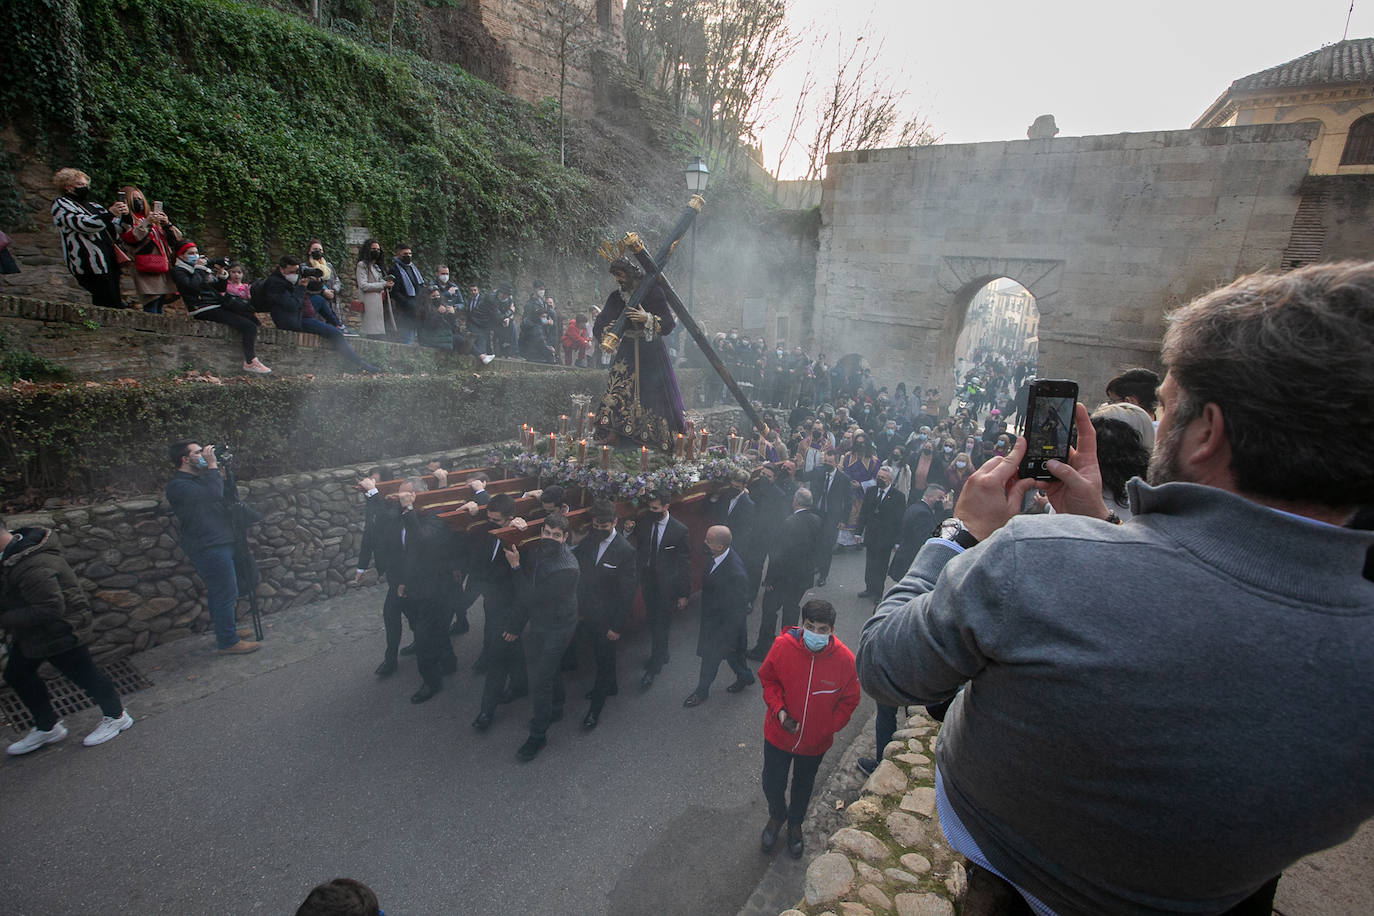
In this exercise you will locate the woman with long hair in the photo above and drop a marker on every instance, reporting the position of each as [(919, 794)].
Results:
[(860, 465), (959, 470), (373, 284)]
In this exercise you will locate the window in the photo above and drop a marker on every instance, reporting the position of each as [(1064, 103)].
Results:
[(1359, 143), (781, 336)]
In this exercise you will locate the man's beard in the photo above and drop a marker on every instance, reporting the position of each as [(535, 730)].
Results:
[(1164, 465)]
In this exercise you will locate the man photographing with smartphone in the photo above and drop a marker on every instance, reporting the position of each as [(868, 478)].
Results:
[(1126, 737)]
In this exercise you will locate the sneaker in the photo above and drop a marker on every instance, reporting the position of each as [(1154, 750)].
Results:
[(36, 739), (108, 728), (242, 647), (349, 332), (256, 366), (487, 358)]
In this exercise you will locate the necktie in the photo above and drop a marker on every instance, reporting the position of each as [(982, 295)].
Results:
[(653, 545)]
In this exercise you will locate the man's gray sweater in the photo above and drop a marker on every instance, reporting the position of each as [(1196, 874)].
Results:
[(1159, 716)]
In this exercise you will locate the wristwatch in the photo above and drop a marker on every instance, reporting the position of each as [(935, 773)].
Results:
[(951, 529)]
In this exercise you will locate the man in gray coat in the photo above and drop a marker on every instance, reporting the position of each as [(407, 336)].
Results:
[(1162, 715)]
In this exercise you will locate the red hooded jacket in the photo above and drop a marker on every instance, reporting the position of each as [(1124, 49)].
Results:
[(818, 689)]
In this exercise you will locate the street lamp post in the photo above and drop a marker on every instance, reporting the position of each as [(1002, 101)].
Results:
[(697, 174)]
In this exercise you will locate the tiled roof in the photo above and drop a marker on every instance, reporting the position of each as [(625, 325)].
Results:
[(1349, 61)]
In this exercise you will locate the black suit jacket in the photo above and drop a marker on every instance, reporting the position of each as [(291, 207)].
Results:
[(838, 501), (724, 606), (740, 521), (669, 573), (793, 562), (917, 524), (881, 525), (423, 560), (606, 590)]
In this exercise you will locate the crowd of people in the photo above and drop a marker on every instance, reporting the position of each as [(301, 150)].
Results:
[(391, 297)]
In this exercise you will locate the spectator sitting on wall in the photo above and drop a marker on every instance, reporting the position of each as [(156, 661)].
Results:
[(202, 291), (286, 301)]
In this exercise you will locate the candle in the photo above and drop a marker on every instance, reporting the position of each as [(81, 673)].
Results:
[(553, 446), (643, 458), (524, 429), (605, 457), (581, 450), (580, 420), (591, 422), (677, 447), (704, 433), (691, 446), (562, 424)]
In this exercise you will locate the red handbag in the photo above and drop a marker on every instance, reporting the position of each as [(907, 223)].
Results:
[(151, 262)]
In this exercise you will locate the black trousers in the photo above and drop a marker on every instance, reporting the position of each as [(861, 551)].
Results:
[(429, 617), (776, 763), (783, 598), (247, 328), (884, 724), (104, 289), (505, 666), (593, 635), (545, 652), (877, 557), (710, 666), (658, 608), (21, 673), (825, 549), (392, 609)]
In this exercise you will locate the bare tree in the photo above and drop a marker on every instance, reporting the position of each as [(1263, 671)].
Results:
[(571, 19)]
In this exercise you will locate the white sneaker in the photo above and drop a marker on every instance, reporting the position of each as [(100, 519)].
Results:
[(108, 728), (487, 358), (256, 366), (36, 739)]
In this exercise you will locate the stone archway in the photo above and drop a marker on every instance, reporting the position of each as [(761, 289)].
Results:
[(962, 277)]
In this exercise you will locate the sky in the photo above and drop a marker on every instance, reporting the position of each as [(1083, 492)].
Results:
[(984, 70)]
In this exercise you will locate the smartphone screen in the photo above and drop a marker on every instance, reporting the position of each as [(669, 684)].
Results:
[(1047, 425)]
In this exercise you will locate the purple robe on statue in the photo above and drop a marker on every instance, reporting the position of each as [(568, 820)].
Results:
[(642, 402)]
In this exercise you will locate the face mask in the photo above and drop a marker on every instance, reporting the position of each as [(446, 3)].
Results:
[(375, 254), (292, 278), (961, 464), (443, 278), (949, 450), (200, 462), (192, 258), (658, 516), (82, 193), (137, 205), (405, 259), (317, 254), (815, 641), (607, 534)]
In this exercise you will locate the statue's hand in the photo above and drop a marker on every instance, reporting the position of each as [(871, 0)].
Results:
[(638, 315)]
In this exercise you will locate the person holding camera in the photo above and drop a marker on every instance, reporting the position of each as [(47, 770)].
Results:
[(330, 284), (196, 493), (285, 297), (151, 235), (202, 283)]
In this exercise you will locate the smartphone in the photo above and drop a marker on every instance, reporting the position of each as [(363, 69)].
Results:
[(120, 196), (1047, 426), (157, 206)]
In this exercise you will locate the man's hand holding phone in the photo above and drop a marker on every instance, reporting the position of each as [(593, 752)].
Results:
[(1077, 485), (992, 496)]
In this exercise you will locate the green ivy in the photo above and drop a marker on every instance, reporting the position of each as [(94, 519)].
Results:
[(17, 364), (271, 128)]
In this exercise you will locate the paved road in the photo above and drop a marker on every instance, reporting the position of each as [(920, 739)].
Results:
[(247, 781)]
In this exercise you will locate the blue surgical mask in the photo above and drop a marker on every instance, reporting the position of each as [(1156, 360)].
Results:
[(201, 462), (815, 641), (192, 258)]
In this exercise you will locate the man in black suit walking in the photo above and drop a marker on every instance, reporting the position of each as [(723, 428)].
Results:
[(734, 508), (665, 577), (507, 677), (770, 509), (724, 607), (605, 594), (880, 523), (420, 570), (832, 497), (791, 569), (918, 526)]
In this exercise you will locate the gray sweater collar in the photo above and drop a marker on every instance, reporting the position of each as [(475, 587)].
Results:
[(1256, 544)]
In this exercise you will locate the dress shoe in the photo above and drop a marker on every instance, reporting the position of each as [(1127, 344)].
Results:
[(460, 626), (530, 748), (426, 691), (693, 699), (756, 654), (510, 696), (867, 593), (867, 764), (482, 722), (795, 844), (740, 684), (410, 649), (589, 720), (646, 682), (820, 583), (769, 837), (386, 668)]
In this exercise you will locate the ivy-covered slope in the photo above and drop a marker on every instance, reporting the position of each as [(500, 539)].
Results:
[(272, 129)]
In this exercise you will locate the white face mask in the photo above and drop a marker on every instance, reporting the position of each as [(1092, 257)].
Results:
[(292, 278), (961, 464), (443, 278)]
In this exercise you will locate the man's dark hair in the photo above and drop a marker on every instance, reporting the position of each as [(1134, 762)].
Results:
[(288, 260), (340, 897), (1120, 456), (1140, 384), (556, 521), (502, 504), (402, 246), (179, 450), (1287, 359), (603, 511), (818, 610), (380, 472), (553, 495), (659, 496)]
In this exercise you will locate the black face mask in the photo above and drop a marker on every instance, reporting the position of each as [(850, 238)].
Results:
[(405, 259), (658, 516), (82, 193), (138, 205), (317, 254), (375, 254)]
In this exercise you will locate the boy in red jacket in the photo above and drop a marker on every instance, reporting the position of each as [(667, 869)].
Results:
[(811, 690)]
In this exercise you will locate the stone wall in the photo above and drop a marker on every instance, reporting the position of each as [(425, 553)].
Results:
[(1107, 232)]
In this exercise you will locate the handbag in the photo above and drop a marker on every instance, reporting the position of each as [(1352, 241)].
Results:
[(356, 306), (151, 262)]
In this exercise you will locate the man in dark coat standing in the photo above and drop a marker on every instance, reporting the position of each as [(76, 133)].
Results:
[(918, 526), (880, 523), (546, 599), (420, 570), (791, 570), (665, 576), (770, 508), (605, 595), (832, 495), (734, 508), (724, 607)]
